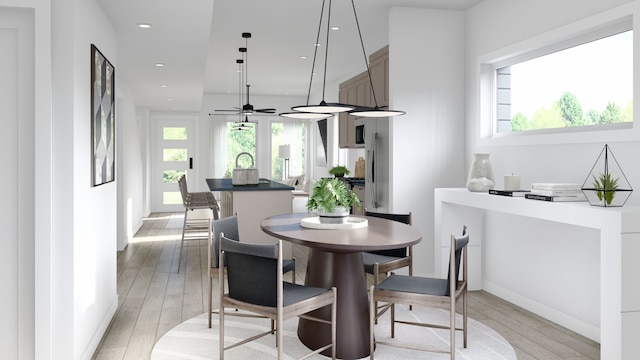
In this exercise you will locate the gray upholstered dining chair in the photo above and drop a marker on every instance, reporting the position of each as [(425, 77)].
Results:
[(256, 285), (422, 291), (385, 261), (229, 226)]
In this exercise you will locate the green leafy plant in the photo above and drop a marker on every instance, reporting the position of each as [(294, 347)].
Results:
[(605, 187), (339, 171), (327, 193)]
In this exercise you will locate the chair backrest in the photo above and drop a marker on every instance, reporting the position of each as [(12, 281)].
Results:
[(228, 226), (458, 245), (403, 218), (252, 271), (182, 183)]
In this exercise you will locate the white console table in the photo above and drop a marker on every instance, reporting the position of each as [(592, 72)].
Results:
[(603, 243)]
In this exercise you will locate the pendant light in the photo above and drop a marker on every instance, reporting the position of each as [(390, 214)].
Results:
[(324, 107)]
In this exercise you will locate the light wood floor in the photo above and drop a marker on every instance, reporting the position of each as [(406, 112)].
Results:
[(154, 298)]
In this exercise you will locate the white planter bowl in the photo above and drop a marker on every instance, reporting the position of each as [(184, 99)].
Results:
[(339, 215)]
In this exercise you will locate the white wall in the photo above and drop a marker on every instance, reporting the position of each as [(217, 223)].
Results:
[(17, 277), (131, 166), (84, 217), (496, 24), (572, 254), (426, 79)]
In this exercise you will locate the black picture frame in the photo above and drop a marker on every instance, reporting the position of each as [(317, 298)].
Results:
[(103, 119)]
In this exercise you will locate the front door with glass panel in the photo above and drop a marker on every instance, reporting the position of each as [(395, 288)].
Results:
[(174, 156)]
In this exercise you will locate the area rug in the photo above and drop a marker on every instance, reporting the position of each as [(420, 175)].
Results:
[(194, 340)]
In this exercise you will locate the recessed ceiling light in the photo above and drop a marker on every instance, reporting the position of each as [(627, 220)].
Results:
[(164, 85), (303, 57), (159, 64), (228, 91), (335, 27), (170, 99), (144, 25)]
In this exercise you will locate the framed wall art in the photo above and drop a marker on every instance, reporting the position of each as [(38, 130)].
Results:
[(103, 152)]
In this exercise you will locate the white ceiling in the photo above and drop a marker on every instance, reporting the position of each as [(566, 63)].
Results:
[(198, 42)]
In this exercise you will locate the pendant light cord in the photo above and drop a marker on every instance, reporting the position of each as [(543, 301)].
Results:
[(364, 54), (326, 52), (315, 52)]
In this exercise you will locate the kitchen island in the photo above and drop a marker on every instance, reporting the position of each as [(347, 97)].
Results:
[(254, 203)]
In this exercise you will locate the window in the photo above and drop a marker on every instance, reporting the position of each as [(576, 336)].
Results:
[(573, 84), (588, 84), (293, 133), (240, 139)]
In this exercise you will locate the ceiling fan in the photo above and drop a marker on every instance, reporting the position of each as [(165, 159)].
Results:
[(243, 65)]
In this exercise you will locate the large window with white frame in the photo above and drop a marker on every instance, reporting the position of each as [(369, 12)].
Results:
[(578, 82)]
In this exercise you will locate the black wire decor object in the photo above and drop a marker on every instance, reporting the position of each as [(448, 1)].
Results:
[(606, 185)]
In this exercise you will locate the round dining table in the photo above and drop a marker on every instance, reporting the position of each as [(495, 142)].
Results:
[(335, 259)]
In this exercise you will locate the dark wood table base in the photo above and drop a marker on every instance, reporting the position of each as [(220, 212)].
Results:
[(345, 271)]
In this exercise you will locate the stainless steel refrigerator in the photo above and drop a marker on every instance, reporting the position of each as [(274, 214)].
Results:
[(377, 161)]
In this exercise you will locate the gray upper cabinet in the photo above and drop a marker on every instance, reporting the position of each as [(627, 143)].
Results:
[(357, 91)]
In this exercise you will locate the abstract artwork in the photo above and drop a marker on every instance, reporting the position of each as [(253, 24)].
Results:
[(102, 118), (321, 144)]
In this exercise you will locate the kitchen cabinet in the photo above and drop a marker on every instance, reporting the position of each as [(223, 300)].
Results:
[(379, 67), (357, 91), (354, 91)]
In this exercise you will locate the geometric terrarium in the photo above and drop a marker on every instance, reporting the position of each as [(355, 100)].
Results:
[(606, 184)]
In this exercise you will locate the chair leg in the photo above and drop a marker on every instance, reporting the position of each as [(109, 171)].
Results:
[(184, 226), (334, 318), (373, 310), (210, 296), (221, 332), (464, 318), (376, 269), (393, 320), (452, 327)]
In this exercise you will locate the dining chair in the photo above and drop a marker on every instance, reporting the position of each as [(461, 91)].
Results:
[(384, 261), (229, 226), (423, 291), (256, 285), (193, 201)]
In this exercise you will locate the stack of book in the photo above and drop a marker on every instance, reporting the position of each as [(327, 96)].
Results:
[(556, 192)]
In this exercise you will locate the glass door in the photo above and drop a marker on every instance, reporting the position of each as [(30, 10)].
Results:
[(174, 156)]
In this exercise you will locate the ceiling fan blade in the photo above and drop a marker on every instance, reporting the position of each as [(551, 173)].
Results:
[(266, 111)]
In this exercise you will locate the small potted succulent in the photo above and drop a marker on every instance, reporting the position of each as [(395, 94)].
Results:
[(339, 171), (605, 187), (331, 199)]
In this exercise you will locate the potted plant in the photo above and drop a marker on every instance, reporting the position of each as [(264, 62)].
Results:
[(339, 171), (605, 187), (332, 200)]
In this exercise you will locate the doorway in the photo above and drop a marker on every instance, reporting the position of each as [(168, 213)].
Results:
[(174, 152)]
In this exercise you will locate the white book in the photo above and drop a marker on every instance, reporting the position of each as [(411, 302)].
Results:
[(556, 192), (556, 186)]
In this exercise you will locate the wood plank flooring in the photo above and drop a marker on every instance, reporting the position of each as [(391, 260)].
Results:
[(154, 297)]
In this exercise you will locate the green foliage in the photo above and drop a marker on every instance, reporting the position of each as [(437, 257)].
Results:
[(605, 187), (547, 118), (237, 142), (611, 114), (327, 193), (339, 170), (567, 111), (571, 110), (519, 122)]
